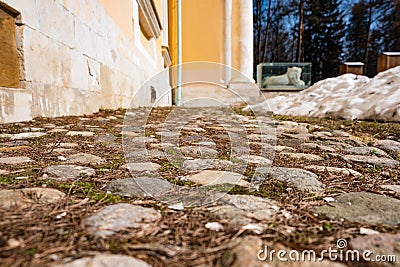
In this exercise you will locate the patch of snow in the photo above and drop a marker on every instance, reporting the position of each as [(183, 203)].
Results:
[(348, 96)]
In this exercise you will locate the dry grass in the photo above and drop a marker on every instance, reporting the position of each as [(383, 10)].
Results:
[(180, 237)]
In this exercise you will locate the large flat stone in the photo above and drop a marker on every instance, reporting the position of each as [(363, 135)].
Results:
[(302, 156), (254, 159), (136, 155), (203, 152), (390, 146), (105, 138), (391, 187), (118, 217), (27, 135), (66, 172), (251, 251), (202, 164), (140, 186), (105, 260), (298, 178), (379, 244), (333, 170), (366, 150), (80, 133), (14, 160), (285, 149), (141, 166), (372, 160), (317, 146), (209, 177), (32, 129), (84, 158), (28, 196), (363, 207), (240, 210)]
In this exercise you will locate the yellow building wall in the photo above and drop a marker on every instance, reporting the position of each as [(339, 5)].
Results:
[(122, 13), (202, 34), (236, 34), (202, 30)]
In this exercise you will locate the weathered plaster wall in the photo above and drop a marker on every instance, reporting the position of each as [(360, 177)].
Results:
[(77, 59)]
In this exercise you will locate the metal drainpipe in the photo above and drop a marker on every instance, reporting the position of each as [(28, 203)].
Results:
[(179, 78)]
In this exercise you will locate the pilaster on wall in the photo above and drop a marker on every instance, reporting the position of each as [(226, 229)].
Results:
[(243, 40)]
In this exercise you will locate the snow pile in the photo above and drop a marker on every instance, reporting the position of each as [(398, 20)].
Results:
[(348, 96)]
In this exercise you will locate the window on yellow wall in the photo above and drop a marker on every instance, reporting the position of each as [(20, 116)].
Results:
[(149, 21)]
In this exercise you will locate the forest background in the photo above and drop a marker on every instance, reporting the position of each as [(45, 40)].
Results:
[(325, 33)]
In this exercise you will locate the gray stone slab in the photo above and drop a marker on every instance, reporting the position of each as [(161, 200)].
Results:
[(32, 129), (66, 172), (194, 151), (363, 207), (15, 160), (243, 253), (372, 160), (141, 167), (391, 187), (303, 156), (28, 196), (105, 138), (118, 217), (84, 158), (210, 177), (105, 260), (333, 170), (240, 210), (302, 137), (366, 150), (390, 146), (140, 186), (317, 146), (340, 133), (27, 135), (254, 159), (80, 133), (203, 164), (284, 149), (298, 178), (379, 244)]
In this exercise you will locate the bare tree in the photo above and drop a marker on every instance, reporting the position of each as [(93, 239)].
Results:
[(264, 55), (300, 46)]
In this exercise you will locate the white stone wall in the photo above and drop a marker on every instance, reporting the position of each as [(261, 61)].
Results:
[(77, 60)]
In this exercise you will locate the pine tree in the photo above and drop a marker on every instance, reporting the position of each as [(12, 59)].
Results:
[(358, 31), (324, 32), (389, 24)]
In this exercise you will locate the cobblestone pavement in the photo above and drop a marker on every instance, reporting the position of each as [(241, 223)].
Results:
[(197, 187)]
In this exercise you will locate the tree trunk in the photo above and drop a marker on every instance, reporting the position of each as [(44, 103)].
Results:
[(369, 22), (258, 12), (264, 54), (300, 46)]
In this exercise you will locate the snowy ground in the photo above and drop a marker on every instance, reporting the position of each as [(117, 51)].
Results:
[(348, 96)]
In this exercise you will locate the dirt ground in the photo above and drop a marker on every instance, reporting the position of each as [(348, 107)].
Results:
[(37, 236)]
